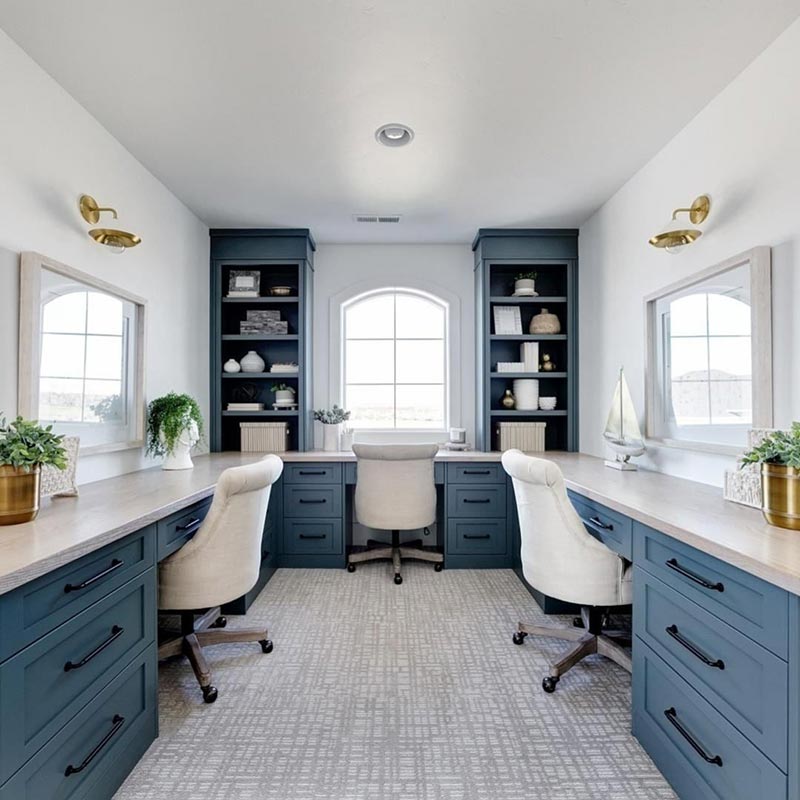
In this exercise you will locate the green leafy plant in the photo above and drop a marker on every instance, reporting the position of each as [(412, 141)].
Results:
[(25, 444), (167, 418), (526, 276), (779, 447), (282, 387), (331, 416)]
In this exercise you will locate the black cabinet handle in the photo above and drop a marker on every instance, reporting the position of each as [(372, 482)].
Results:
[(312, 472), (116, 632), (118, 722), (600, 524), (75, 587), (482, 500), (190, 527), (672, 630), (672, 715), (313, 535), (307, 502), (673, 564), (477, 472), (477, 536)]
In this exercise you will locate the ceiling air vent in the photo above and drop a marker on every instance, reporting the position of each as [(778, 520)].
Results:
[(376, 217)]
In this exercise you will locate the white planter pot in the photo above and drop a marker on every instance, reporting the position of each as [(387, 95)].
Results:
[(346, 440), (180, 457), (284, 395), (330, 438), (525, 286)]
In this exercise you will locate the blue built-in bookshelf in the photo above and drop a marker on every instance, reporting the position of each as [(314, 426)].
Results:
[(281, 257), (500, 255)]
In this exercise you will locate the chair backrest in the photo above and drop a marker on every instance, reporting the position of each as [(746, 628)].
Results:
[(395, 488), (222, 561), (560, 557)]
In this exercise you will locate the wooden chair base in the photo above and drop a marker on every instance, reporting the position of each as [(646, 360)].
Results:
[(378, 551)]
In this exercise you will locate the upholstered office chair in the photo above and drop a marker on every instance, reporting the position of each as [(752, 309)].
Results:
[(563, 560), (220, 563), (395, 491)]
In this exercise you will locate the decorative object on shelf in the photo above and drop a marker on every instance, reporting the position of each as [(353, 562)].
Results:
[(507, 400), (25, 447), (285, 367), (547, 363), (244, 406), (457, 435), (779, 457), (280, 291), (529, 353), (510, 366), (174, 427), (331, 420), (347, 437), (285, 396), (507, 321), (547, 403), (232, 366), (244, 393), (264, 437), (545, 323), (525, 285), (253, 362), (526, 394), (56, 482), (263, 321), (675, 235), (244, 283), (622, 433), (118, 241), (743, 484), (525, 436)]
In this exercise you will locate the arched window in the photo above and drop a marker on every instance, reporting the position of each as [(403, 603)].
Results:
[(394, 358)]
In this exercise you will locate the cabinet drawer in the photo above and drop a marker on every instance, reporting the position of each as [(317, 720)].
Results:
[(742, 680), (43, 686), (680, 731), (474, 501), (101, 744), (312, 473), (351, 473), (312, 501), (32, 610), (304, 536), (477, 536), (615, 530), (175, 530), (475, 473), (754, 607)]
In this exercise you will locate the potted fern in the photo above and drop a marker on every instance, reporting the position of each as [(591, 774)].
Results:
[(24, 447), (174, 427), (779, 456)]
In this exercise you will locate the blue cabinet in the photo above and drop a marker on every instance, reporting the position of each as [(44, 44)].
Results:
[(175, 530), (615, 530)]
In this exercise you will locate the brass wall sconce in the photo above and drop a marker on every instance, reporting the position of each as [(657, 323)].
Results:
[(117, 240), (676, 234)]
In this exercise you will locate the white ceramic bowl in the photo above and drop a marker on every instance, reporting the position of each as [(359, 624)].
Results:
[(547, 403)]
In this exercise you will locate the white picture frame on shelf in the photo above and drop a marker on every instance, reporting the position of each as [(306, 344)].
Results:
[(507, 321)]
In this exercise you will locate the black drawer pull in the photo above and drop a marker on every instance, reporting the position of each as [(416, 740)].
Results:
[(116, 632), (600, 524), (672, 630), (477, 472), (477, 536), (75, 587), (118, 723), (482, 500), (190, 527), (673, 564), (312, 472), (307, 502), (313, 535), (672, 715)]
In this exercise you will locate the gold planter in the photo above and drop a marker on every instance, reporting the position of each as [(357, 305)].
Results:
[(19, 495), (781, 495)]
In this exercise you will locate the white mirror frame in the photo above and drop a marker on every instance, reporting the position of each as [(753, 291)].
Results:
[(30, 336), (760, 262)]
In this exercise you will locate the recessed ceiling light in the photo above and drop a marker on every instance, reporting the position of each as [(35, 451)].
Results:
[(394, 134)]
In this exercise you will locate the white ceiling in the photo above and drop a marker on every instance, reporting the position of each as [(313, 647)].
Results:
[(263, 112)]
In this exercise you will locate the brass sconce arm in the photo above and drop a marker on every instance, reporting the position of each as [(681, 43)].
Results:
[(697, 212), (90, 211)]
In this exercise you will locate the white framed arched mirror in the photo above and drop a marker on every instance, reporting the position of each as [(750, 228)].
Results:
[(81, 355)]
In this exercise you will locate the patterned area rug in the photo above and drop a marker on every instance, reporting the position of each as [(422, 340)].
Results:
[(378, 691)]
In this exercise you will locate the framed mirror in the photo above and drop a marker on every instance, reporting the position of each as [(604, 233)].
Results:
[(81, 359), (709, 356)]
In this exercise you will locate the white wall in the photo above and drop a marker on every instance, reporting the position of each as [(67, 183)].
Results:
[(51, 152), (744, 150)]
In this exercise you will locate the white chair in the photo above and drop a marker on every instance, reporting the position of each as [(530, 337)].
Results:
[(562, 559), (395, 491), (220, 563)]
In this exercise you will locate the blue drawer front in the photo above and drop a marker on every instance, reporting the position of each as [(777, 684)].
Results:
[(312, 501), (312, 473), (351, 473), (475, 473), (131, 696), (745, 682), (308, 536), (754, 607), (615, 530), (745, 774), (175, 530), (32, 610), (477, 537), (476, 501)]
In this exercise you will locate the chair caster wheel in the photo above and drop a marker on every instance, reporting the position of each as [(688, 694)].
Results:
[(549, 684), (266, 646), (438, 567), (351, 567), (398, 579), (209, 693), (518, 637), (220, 622)]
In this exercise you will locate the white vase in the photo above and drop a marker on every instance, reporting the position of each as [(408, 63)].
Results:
[(180, 457), (346, 440), (330, 438), (231, 365), (253, 362), (525, 287)]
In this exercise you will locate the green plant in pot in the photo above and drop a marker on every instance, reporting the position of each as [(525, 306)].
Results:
[(174, 427), (24, 447), (284, 394), (779, 456), (525, 284)]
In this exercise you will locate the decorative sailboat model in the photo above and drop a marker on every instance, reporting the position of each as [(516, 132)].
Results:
[(622, 433)]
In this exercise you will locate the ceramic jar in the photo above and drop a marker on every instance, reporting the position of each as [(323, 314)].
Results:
[(544, 322), (253, 362), (231, 365), (330, 438)]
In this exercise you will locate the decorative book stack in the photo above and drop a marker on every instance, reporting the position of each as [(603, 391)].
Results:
[(245, 406)]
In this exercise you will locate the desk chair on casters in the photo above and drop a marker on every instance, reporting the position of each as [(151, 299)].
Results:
[(562, 559), (395, 491), (220, 563)]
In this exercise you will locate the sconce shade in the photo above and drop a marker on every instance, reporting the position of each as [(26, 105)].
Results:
[(676, 233), (117, 240)]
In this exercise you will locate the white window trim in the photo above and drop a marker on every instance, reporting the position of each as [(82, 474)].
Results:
[(452, 305)]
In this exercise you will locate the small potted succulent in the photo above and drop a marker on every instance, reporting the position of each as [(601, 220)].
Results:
[(174, 427), (24, 447), (779, 456), (525, 284), (331, 420), (284, 394)]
